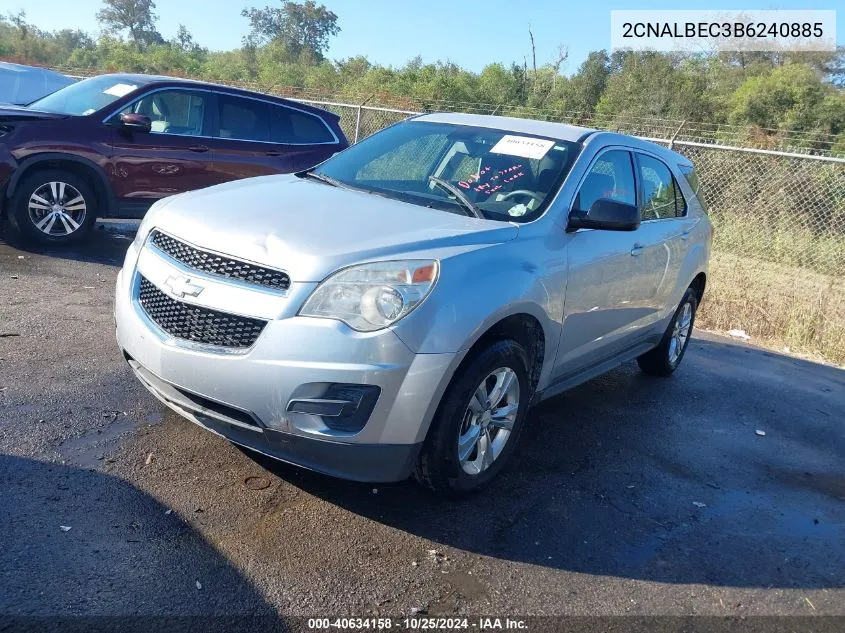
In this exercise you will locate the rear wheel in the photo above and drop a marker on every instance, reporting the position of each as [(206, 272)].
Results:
[(665, 358), (478, 422), (53, 207)]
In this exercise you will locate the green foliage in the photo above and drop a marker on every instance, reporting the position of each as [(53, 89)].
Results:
[(790, 97), (134, 17), (303, 30), (655, 84)]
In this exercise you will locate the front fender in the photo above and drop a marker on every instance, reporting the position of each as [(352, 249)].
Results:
[(475, 291), (96, 171)]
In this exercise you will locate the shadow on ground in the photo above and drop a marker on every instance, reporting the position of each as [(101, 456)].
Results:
[(657, 479), (122, 554), (107, 244)]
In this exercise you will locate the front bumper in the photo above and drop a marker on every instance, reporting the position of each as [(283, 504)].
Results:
[(245, 397)]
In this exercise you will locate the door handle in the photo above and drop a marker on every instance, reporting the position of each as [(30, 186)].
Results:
[(638, 248), (198, 148), (685, 235), (273, 152)]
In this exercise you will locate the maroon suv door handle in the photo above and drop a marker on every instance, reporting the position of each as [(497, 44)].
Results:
[(198, 148)]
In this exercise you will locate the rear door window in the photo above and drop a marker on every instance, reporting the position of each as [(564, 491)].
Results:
[(661, 196), (243, 119), (298, 128)]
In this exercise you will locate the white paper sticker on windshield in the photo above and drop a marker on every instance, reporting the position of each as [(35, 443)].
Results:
[(523, 146), (119, 90)]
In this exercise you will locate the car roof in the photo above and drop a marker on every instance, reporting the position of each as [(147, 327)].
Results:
[(604, 138), (23, 69), (152, 80), (562, 131), (138, 78), (146, 80)]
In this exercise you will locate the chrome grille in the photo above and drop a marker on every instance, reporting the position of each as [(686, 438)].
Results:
[(221, 265), (197, 324)]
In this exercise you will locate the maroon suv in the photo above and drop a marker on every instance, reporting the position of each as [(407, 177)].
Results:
[(112, 145)]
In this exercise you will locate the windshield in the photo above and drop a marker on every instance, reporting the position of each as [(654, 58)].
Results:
[(502, 175), (85, 97)]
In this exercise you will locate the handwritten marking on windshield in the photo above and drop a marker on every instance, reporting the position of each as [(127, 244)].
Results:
[(495, 182)]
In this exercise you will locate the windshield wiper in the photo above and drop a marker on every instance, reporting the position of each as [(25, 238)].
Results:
[(459, 196), (322, 178)]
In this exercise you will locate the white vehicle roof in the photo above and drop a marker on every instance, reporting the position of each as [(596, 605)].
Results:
[(21, 84), (549, 129)]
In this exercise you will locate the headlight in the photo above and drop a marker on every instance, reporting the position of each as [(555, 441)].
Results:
[(148, 222), (370, 297), (145, 227)]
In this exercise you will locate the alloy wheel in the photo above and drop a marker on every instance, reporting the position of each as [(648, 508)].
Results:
[(680, 333), (488, 420), (57, 209)]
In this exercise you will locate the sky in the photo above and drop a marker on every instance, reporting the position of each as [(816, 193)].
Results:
[(471, 33)]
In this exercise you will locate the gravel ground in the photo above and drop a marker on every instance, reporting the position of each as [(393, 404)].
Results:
[(630, 495)]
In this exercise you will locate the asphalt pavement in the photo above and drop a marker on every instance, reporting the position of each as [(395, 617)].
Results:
[(718, 491)]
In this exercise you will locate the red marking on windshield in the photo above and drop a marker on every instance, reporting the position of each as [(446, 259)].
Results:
[(500, 177)]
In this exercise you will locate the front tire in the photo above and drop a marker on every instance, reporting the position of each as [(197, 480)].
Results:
[(478, 422), (53, 207), (664, 359)]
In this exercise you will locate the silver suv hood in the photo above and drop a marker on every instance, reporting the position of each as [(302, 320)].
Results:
[(310, 229)]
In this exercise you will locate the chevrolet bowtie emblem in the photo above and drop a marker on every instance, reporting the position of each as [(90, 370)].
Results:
[(181, 286)]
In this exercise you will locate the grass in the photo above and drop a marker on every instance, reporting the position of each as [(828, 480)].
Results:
[(779, 305), (780, 239)]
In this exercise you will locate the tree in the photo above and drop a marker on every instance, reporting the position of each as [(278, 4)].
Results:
[(791, 97), (26, 41), (588, 84), (134, 16), (68, 40), (646, 83), (303, 28), (184, 41)]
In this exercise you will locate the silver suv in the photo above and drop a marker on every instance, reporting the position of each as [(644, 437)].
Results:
[(399, 307)]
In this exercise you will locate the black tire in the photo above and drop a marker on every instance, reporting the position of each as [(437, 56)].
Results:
[(438, 466), (24, 225), (659, 361)]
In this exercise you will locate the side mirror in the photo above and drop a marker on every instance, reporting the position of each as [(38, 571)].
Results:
[(605, 215), (135, 122)]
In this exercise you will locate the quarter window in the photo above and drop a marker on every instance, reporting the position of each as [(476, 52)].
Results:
[(179, 112), (243, 119), (299, 128), (611, 177), (692, 178), (662, 198)]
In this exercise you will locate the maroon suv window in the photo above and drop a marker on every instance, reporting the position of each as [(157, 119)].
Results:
[(176, 111), (293, 126), (243, 119)]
